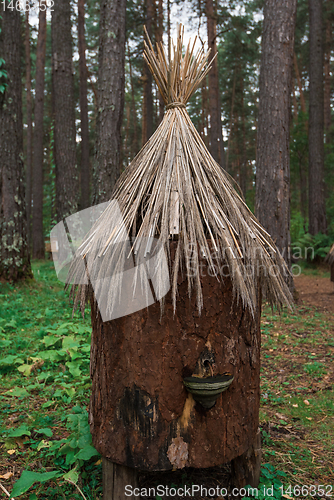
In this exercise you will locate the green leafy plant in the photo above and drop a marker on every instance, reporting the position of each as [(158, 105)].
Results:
[(270, 484), (70, 454), (311, 248)]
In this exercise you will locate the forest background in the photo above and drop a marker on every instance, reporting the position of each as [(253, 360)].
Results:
[(63, 106)]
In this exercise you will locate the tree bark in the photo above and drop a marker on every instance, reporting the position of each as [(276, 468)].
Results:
[(147, 126), (300, 86), (216, 138), (327, 70), (149, 420), (29, 126), (317, 208), (231, 121), (272, 203), (134, 144), (159, 39), (38, 250), (67, 181), (85, 166), (110, 97), (204, 112), (14, 252)]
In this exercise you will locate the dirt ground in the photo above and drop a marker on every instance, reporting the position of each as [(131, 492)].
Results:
[(315, 291)]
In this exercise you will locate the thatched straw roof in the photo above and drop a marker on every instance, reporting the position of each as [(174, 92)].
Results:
[(174, 189), (330, 256)]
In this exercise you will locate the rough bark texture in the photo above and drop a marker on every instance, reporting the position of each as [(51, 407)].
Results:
[(67, 181), (317, 208), (29, 137), (327, 71), (300, 86), (272, 203), (147, 125), (215, 134), (115, 478), (110, 97), (134, 143), (85, 167), (159, 38), (38, 251), (14, 253), (140, 413)]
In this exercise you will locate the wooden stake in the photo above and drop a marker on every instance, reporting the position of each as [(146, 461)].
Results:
[(247, 467), (115, 478)]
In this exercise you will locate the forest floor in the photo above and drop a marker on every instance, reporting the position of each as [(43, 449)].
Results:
[(45, 386)]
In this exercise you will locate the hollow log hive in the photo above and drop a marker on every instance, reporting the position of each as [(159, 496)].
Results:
[(141, 414)]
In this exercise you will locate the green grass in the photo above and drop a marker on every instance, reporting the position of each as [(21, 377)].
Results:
[(45, 388)]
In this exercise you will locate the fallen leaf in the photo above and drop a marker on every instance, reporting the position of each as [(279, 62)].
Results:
[(309, 418), (8, 475), (11, 452)]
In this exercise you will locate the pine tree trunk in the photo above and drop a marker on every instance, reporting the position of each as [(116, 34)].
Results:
[(327, 71), (272, 204), (110, 97), (67, 182), (204, 112), (243, 173), (300, 86), (85, 167), (216, 138), (159, 39), (38, 250), (134, 144), (317, 208), (14, 252), (29, 126), (231, 122), (147, 127)]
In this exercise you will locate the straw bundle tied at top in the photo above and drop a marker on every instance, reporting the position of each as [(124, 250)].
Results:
[(330, 256), (174, 185)]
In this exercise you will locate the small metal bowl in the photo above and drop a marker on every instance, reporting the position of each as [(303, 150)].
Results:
[(206, 390)]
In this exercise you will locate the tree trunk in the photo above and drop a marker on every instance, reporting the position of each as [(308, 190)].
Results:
[(67, 182), (85, 167), (244, 163), (300, 86), (204, 112), (14, 252), (110, 97), (159, 39), (272, 203), (147, 127), (216, 138), (317, 208), (327, 70), (29, 126), (231, 122), (149, 420), (134, 145), (38, 250)]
